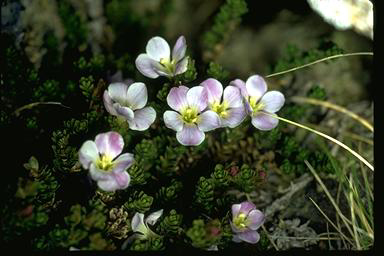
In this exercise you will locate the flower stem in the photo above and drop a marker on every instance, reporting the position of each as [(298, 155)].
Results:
[(325, 136), (320, 60)]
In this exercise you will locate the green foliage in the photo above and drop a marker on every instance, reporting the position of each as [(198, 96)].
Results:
[(167, 195), (170, 224), (204, 195), (49, 90), (146, 153), (294, 57), (152, 244), (86, 85), (76, 30), (317, 92), (94, 65), (224, 23), (204, 235), (139, 202), (138, 175), (220, 176), (216, 71), (246, 179)]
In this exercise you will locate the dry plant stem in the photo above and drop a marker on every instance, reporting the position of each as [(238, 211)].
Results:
[(325, 136), (307, 238), (351, 202), (320, 60), (329, 196), (333, 106), (333, 224), (366, 182), (34, 104), (346, 221), (269, 237)]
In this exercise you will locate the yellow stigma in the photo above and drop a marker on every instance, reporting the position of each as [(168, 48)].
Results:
[(240, 221), (254, 105), (220, 109), (168, 64), (189, 115), (105, 163)]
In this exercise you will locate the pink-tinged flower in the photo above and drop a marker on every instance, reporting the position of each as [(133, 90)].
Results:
[(158, 60), (246, 219), (188, 120), (100, 157), (257, 101), (127, 102), (231, 109)]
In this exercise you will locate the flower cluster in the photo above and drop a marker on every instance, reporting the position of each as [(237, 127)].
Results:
[(195, 110)]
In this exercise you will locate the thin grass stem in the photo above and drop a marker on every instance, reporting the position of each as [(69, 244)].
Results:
[(333, 224), (318, 61), (325, 136)]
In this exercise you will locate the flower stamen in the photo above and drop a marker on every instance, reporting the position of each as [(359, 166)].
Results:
[(105, 163), (189, 115)]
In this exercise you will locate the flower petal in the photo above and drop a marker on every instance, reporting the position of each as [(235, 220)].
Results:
[(143, 119), (178, 51), (88, 153), (264, 122), (109, 143), (190, 135), (256, 86), (241, 85), (146, 66), (197, 97), (173, 120), (234, 118), (251, 236), (157, 48), (123, 162), (153, 217), (256, 218), (209, 120), (122, 179), (235, 209), (97, 174), (118, 92), (108, 103), (233, 97), (137, 223), (109, 185), (137, 95), (181, 66), (214, 90), (247, 206), (272, 101), (177, 97), (125, 112), (236, 239)]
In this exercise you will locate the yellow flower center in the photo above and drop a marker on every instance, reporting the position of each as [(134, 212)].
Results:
[(105, 163), (168, 64), (240, 221), (189, 115), (255, 105), (220, 109)]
